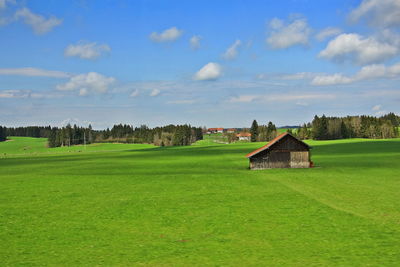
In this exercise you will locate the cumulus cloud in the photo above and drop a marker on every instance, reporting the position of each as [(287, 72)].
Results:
[(39, 24), (232, 51), (380, 13), (210, 71), (87, 83), (358, 49), (167, 35), (34, 72), (195, 42), (155, 92), (86, 50), (286, 35), (135, 93), (375, 71), (327, 32)]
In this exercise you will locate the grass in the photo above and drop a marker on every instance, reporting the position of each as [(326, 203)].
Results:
[(198, 205), (25, 146)]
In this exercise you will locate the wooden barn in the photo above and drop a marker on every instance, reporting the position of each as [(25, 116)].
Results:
[(285, 151)]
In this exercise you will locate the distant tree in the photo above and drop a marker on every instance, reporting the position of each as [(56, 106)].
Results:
[(3, 133), (272, 132), (52, 139), (254, 131), (393, 118), (231, 137), (344, 133), (303, 132)]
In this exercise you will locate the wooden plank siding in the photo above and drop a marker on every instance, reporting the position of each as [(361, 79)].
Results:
[(287, 152)]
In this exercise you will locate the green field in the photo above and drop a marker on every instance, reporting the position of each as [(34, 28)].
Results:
[(126, 204)]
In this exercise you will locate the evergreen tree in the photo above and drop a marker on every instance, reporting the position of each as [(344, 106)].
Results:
[(343, 130), (3, 133), (323, 130), (254, 131), (52, 139), (271, 129), (316, 124)]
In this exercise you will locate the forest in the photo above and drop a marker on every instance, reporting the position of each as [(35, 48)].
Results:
[(321, 128), (170, 135), (329, 128)]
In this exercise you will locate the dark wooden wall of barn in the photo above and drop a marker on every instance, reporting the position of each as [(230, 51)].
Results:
[(286, 153), (289, 143)]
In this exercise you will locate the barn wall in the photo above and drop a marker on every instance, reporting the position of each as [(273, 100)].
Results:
[(299, 159), (273, 159), (289, 143), (286, 153)]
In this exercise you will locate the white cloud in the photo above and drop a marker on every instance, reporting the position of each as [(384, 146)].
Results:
[(243, 99), (135, 93), (167, 35), (280, 98), (181, 102), (3, 3), (331, 79), (155, 92), (232, 51), (284, 36), (380, 13), (287, 76), (87, 83), (327, 32), (298, 76), (86, 50), (359, 50), (34, 72), (378, 111), (376, 107), (195, 42), (14, 94), (276, 24), (210, 71), (369, 72), (39, 24)]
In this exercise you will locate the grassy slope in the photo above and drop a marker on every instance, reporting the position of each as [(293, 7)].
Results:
[(25, 146), (200, 205)]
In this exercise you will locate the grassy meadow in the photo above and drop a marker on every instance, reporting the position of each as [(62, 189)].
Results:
[(127, 204)]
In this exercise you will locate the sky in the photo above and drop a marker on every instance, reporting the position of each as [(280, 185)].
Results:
[(205, 63)]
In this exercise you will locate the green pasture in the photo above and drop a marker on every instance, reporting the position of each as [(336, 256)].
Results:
[(126, 204), (25, 146)]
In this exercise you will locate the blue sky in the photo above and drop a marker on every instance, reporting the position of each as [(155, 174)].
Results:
[(212, 63)]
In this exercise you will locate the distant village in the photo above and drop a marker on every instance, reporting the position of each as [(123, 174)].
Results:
[(242, 134)]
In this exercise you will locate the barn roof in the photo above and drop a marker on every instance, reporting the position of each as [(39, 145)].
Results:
[(272, 142)]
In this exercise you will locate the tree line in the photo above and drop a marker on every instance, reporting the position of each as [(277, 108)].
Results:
[(328, 128), (321, 128), (170, 135), (262, 133)]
